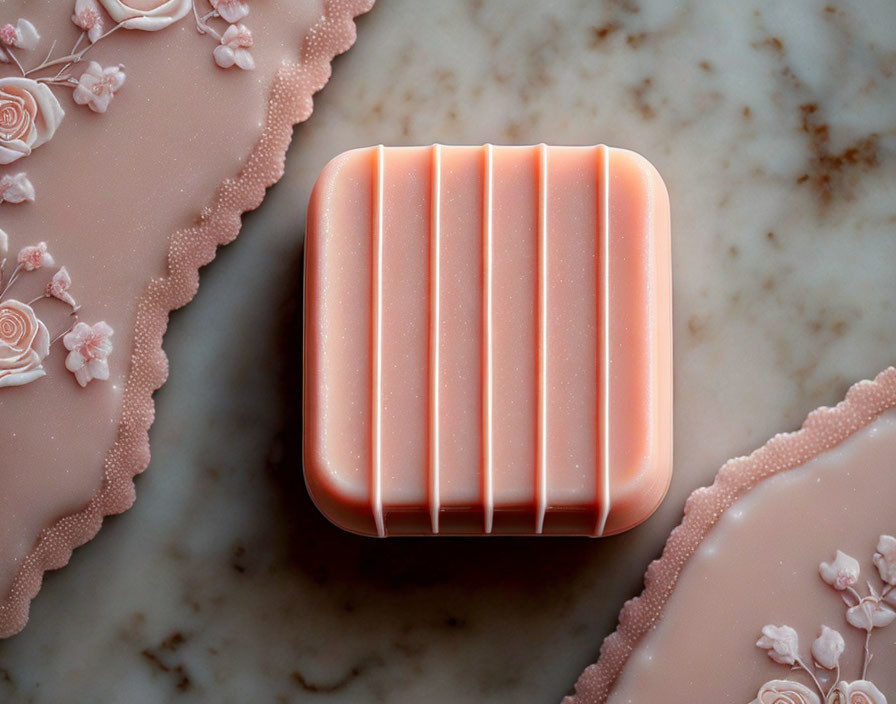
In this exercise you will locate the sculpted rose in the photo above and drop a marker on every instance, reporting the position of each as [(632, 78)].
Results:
[(148, 15), (859, 692), (24, 343), (785, 692), (29, 117)]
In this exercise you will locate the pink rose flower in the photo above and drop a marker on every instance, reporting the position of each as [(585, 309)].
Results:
[(89, 18), (231, 10), (21, 36), (59, 286), (29, 117), (785, 692), (842, 573), (34, 257), (97, 86), (24, 344), (152, 15), (885, 558), (16, 188), (89, 348), (859, 692), (234, 48)]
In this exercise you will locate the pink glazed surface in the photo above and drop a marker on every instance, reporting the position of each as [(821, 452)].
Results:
[(747, 554), (133, 202), (488, 340)]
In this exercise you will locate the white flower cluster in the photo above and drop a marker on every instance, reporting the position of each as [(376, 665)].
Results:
[(866, 612)]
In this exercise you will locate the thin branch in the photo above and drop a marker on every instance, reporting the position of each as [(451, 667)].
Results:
[(12, 280), (78, 42), (75, 56), (66, 332), (812, 675), (57, 81), (50, 52), (11, 54), (867, 660), (201, 25)]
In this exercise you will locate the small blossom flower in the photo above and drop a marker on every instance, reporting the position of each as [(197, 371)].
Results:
[(23, 35), (16, 188), (781, 642), (828, 647), (842, 573), (858, 692), (4, 244), (785, 692), (89, 18), (231, 10), (234, 49), (885, 558), (34, 257), (97, 86), (59, 286), (870, 613), (89, 348)]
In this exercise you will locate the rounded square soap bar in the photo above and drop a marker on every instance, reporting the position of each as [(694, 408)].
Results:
[(488, 340)]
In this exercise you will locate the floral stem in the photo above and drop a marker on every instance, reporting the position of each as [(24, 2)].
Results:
[(77, 43), (12, 280), (63, 81), (812, 675), (75, 56), (15, 59), (867, 659), (66, 332), (852, 591), (201, 25), (50, 52), (36, 299)]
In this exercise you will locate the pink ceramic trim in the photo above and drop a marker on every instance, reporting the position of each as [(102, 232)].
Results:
[(290, 103), (822, 430)]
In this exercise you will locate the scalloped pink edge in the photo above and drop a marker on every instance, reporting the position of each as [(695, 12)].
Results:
[(290, 103), (822, 430)]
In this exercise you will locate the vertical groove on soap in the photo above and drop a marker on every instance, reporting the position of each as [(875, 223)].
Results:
[(603, 414), (542, 351), (487, 390), (435, 243), (377, 343)]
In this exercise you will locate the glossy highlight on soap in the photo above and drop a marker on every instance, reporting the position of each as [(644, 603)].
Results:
[(488, 340)]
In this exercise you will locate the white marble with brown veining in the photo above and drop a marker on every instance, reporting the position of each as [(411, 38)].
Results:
[(774, 125)]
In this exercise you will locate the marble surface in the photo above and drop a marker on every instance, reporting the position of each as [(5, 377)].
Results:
[(774, 127)]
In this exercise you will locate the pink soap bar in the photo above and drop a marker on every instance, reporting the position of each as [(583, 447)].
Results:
[(488, 340)]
